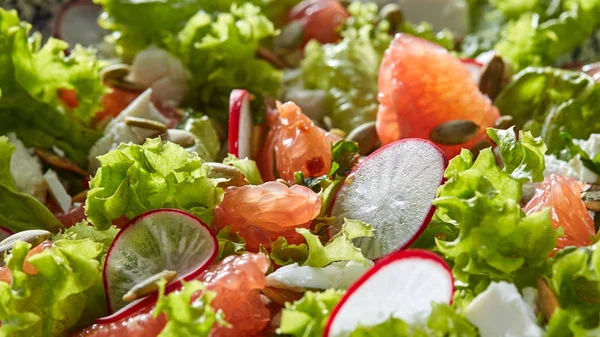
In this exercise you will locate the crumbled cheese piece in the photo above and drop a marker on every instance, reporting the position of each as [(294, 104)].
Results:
[(338, 275), (57, 190), (574, 168), (26, 170), (500, 311)]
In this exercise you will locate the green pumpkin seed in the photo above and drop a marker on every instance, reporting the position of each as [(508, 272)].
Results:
[(366, 137), (290, 38), (126, 85), (149, 285), (338, 132), (33, 237), (181, 137), (492, 77), (591, 197), (115, 71), (234, 176), (454, 132), (145, 123), (392, 13), (504, 122)]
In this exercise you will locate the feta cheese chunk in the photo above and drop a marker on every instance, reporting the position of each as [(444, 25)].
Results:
[(500, 311), (574, 168), (26, 170), (338, 275), (58, 190), (163, 72), (117, 132)]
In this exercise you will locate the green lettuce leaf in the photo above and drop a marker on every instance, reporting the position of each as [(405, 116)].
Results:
[(523, 157), (134, 179), (575, 279), (29, 83), (207, 144), (84, 230), (345, 154), (230, 243), (20, 211), (307, 316), (247, 166), (50, 303), (316, 254), (187, 317), (495, 241), (544, 31), (548, 101)]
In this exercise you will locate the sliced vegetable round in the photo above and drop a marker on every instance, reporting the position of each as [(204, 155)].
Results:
[(4, 233), (163, 239)]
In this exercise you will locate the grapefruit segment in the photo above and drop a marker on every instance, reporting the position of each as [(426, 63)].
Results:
[(563, 196), (422, 86)]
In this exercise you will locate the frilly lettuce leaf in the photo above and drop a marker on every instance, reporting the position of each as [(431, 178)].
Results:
[(307, 316), (230, 243), (544, 31), (84, 230), (316, 254), (524, 157), (20, 211), (575, 279), (134, 179), (495, 241), (548, 101), (30, 80), (187, 317), (50, 303), (247, 166)]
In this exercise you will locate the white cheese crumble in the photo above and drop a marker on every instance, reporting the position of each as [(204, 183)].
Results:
[(26, 170), (574, 168), (58, 191), (501, 311)]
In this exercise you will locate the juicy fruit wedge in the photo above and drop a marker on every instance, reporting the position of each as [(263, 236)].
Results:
[(392, 189), (240, 124), (238, 280), (294, 143), (563, 196), (422, 86), (263, 213), (402, 285), (321, 19), (164, 239)]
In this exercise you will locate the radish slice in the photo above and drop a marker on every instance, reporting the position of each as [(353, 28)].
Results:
[(402, 285), (128, 310), (77, 23), (474, 67), (4, 233), (392, 189), (163, 239), (240, 124)]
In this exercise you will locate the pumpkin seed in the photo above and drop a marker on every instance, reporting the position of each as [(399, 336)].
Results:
[(392, 13), (149, 285), (58, 162), (504, 122), (33, 237), (181, 137), (282, 295), (115, 71), (145, 123), (234, 176), (80, 197), (338, 132), (366, 137), (291, 36), (547, 301), (591, 197), (454, 132), (492, 77), (271, 57)]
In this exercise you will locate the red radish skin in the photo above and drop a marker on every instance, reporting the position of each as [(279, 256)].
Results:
[(130, 309), (240, 124), (62, 16), (172, 286), (350, 179), (418, 254), (4, 233)]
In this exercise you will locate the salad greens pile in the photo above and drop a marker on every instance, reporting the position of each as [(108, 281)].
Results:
[(56, 99)]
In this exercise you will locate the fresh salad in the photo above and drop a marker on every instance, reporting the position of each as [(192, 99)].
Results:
[(301, 168)]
